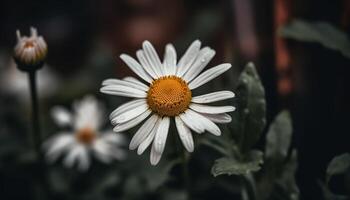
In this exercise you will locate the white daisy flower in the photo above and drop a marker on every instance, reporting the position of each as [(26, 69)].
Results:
[(30, 51), (85, 138), (168, 94)]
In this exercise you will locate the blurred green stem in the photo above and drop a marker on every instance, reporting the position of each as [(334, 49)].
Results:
[(186, 174), (36, 134), (249, 186)]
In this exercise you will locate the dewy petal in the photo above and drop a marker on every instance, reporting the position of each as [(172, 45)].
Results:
[(204, 57), (129, 124), (125, 83), (208, 75), (189, 119), (121, 90), (211, 109), (143, 146), (61, 116), (143, 132), (213, 97), (130, 114), (222, 118), (136, 67), (187, 59), (152, 57), (136, 81), (161, 135), (155, 156), (208, 125), (127, 106), (185, 134), (145, 64), (169, 62)]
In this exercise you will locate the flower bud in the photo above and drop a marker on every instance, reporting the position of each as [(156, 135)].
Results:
[(30, 52)]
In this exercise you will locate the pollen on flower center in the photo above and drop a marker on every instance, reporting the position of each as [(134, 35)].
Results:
[(169, 96), (29, 44), (86, 135)]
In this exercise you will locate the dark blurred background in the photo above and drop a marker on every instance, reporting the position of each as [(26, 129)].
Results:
[(85, 38)]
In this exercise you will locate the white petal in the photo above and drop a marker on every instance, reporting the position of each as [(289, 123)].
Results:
[(155, 156), (78, 154), (88, 112), (152, 57), (127, 106), (208, 75), (161, 135), (185, 134), (121, 90), (143, 132), (136, 67), (204, 57), (125, 83), (208, 125), (130, 114), (211, 109), (170, 60), (102, 151), (58, 144), (136, 81), (222, 118), (61, 116), (129, 124), (145, 64), (188, 58), (113, 138), (189, 119), (213, 97), (143, 146)]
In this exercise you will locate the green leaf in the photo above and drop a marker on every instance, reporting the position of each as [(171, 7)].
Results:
[(249, 120), (278, 137), (287, 182), (320, 32), (157, 176), (338, 165), (231, 166)]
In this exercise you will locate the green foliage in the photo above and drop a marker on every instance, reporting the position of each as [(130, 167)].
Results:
[(247, 125), (321, 32), (277, 182), (278, 137), (250, 118), (232, 166), (339, 165)]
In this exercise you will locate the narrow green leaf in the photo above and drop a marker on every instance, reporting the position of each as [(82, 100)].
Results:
[(320, 32), (338, 165), (232, 166), (249, 120), (279, 136)]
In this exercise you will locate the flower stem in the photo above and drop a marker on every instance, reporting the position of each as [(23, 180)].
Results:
[(36, 133), (249, 184), (186, 174)]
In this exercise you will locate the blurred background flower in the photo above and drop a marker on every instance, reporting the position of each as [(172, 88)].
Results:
[(86, 137)]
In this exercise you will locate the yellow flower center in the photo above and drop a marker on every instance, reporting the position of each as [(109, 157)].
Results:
[(86, 135), (169, 96)]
